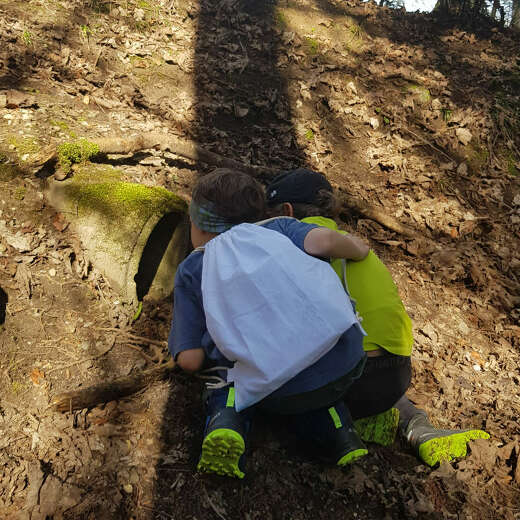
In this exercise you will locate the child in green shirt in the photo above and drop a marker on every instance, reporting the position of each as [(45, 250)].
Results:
[(377, 399)]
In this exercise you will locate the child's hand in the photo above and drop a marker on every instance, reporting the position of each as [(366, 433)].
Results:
[(328, 243)]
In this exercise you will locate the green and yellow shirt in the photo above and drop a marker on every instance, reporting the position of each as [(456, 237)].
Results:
[(377, 300)]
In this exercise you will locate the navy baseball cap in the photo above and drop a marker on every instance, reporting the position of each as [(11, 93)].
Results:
[(296, 186)]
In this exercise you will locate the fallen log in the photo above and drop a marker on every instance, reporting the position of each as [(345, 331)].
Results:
[(110, 391), (193, 151)]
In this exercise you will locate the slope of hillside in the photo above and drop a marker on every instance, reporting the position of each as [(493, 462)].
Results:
[(406, 112)]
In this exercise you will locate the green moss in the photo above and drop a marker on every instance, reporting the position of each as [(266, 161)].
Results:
[(76, 152), (17, 387), (477, 157), (27, 38), (19, 193), (24, 145), (9, 172), (280, 19), (421, 93), (114, 199), (356, 30), (89, 173), (64, 127), (313, 45), (511, 165)]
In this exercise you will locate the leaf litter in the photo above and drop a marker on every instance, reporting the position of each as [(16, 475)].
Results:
[(417, 117)]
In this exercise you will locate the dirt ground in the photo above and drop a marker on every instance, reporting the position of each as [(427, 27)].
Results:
[(408, 112)]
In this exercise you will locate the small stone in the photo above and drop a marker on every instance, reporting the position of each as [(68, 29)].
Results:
[(476, 368), (52, 272)]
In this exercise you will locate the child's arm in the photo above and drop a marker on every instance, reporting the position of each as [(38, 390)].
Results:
[(191, 360), (328, 243), (189, 323)]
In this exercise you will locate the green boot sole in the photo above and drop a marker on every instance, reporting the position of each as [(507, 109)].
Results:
[(449, 447), (380, 429), (221, 452), (349, 458)]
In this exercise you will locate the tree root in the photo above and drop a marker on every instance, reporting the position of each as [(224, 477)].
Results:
[(110, 391), (193, 151)]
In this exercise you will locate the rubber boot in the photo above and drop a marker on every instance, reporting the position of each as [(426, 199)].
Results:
[(349, 446), (380, 429), (433, 445), (224, 444)]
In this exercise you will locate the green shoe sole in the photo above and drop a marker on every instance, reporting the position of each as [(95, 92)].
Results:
[(380, 429), (221, 451), (349, 458), (444, 449)]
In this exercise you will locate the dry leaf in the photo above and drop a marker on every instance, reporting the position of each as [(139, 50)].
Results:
[(59, 222), (36, 376), (464, 135)]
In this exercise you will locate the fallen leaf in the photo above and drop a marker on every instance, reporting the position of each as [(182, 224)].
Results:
[(374, 122), (36, 376), (464, 135), (476, 357), (59, 222)]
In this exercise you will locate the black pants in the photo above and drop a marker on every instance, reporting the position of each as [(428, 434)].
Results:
[(383, 382)]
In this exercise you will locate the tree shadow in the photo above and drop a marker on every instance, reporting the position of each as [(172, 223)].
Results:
[(3, 305)]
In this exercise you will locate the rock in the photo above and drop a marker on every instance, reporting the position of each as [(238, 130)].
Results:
[(464, 135), (374, 122)]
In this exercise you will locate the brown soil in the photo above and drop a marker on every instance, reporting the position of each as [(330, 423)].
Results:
[(403, 110)]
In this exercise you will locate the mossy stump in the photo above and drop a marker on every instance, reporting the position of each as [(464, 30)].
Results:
[(134, 234)]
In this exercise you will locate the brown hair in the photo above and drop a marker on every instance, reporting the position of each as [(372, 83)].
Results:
[(235, 196), (325, 205)]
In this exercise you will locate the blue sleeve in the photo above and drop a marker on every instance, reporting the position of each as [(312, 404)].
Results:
[(189, 323), (292, 228), (188, 329)]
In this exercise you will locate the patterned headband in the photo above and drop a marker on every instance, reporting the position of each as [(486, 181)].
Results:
[(203, 216)]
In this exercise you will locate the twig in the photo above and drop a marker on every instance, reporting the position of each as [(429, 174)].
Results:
[(424, 141), (146, 340), (92, 358), (134, 336), (213, 506), (140, 350)]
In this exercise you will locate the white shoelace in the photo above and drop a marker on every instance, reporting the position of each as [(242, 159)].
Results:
[(213, 381)]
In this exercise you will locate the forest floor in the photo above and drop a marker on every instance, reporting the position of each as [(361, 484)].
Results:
[(403, 110)]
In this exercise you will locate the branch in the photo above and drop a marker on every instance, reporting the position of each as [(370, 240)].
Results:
[(193, 151), (110, 391)]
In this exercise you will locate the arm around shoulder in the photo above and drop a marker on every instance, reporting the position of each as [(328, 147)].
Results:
[(328, 243)]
